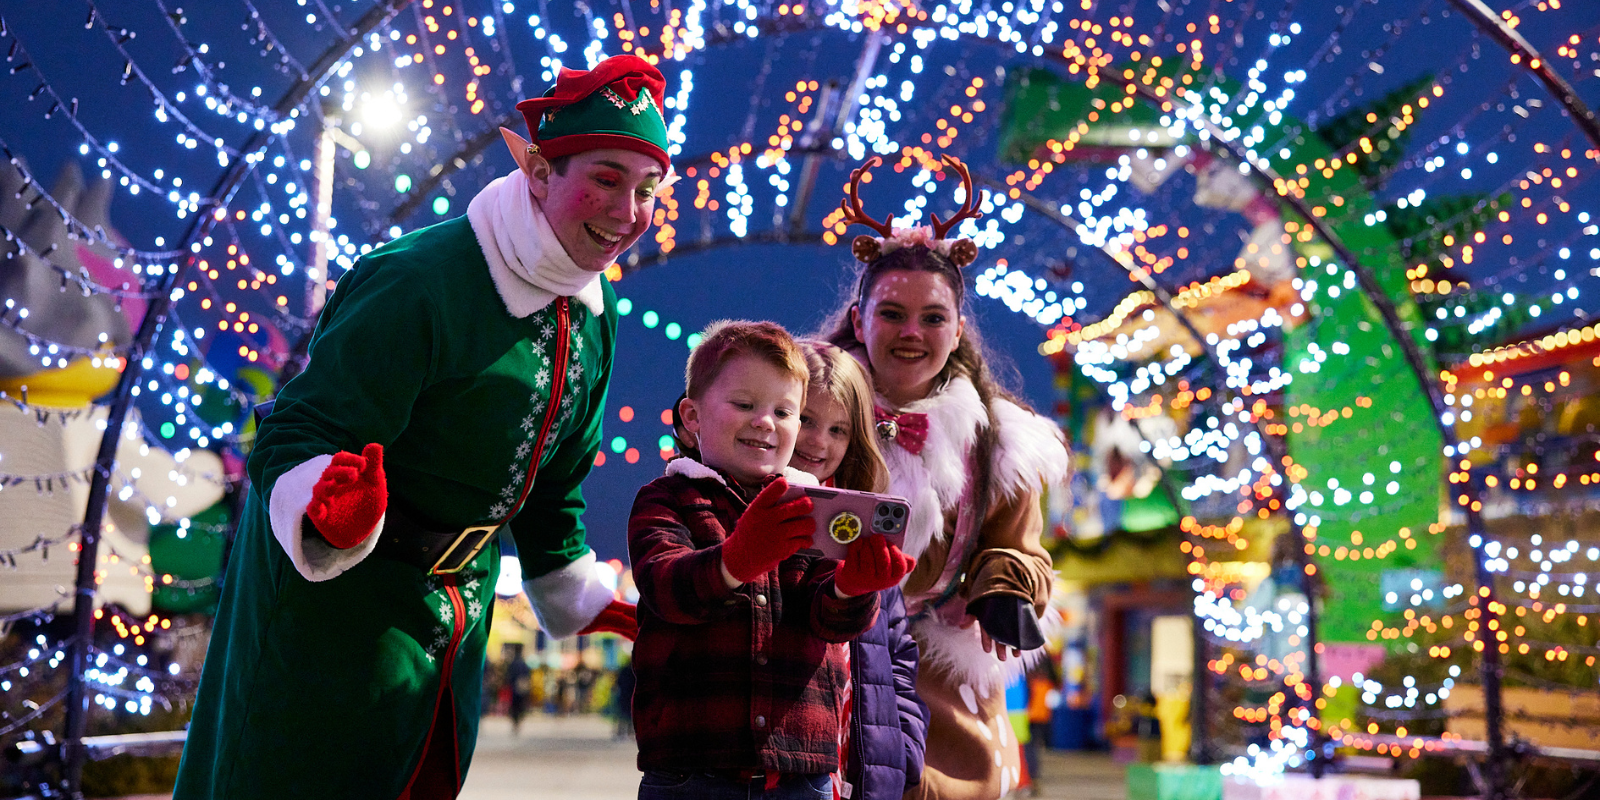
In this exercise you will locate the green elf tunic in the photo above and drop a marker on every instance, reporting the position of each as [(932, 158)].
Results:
[(485, 382)]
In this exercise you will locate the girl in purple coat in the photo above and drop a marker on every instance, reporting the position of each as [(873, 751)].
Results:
[(883, 722)]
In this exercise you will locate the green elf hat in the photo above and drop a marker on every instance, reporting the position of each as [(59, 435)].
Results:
[(616, 104)]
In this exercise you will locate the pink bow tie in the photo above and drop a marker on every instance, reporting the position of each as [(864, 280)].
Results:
[(909, 430)]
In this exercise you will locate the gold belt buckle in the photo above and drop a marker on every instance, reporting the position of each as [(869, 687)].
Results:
[(467, 551)]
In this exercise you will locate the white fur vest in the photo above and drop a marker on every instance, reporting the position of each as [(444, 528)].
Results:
[(1031, 454)]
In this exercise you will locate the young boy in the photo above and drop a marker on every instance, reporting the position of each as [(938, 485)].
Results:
[(737, 681)]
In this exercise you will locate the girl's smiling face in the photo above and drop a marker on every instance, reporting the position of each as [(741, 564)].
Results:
[(601, 205), (824, 435), (910, 324), (746, 421)]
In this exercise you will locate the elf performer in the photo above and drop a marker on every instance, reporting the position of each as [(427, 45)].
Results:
[(972, 459), (455, 390)]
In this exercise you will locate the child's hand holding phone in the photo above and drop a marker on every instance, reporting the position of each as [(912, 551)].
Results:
[(871, 565), (773, 528), (844, 516)]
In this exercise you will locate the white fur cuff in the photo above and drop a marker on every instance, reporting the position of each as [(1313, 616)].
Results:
[(571, 597), (1033, 451), (315, 559)]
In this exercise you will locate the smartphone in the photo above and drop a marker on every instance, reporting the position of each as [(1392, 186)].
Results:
[(844, 516)]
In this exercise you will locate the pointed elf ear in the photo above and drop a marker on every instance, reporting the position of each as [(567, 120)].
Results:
[(667, 180), (525, 154)]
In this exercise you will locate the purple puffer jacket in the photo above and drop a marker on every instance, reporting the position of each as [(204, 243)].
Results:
[(888, 722)]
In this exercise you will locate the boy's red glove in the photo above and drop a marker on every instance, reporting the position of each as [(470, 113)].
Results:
[(617, 617), (350, 497), (769, 531), (871, 565)]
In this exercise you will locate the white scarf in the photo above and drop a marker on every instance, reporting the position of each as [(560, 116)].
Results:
[(529, 266)]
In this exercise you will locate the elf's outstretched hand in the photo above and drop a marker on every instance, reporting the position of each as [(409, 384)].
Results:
[(769, 531), (618, 617), (871, 565), (350, 497)]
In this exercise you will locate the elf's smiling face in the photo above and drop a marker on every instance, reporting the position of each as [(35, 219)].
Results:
[(599, 204)]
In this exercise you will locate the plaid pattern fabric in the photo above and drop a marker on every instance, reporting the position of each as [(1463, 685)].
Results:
[(732, 679)]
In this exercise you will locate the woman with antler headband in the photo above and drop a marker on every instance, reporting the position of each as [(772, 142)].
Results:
[(972, 459)]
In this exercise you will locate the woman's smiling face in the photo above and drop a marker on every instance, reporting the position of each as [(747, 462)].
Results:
[(910, 324), (601, 204)]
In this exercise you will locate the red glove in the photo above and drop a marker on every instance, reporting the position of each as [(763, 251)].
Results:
[(871, 565), (769, 531), (350, 497), (617, 617)]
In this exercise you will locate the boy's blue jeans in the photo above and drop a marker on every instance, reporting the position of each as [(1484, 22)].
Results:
[(672, 785)]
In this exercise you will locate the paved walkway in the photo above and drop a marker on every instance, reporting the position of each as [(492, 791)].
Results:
[(576, 758)]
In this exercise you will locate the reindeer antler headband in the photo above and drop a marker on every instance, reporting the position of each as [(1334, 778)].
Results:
[(868, 249)]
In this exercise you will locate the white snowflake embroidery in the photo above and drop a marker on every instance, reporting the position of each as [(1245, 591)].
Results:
[(577, 338), (546, 331), (509, 492), (528, 422), (514, 469), (474, 608), (499, 510), (446, 613), (431, 658), (541, 378), (523, 449), (575, 372), (538, 404)]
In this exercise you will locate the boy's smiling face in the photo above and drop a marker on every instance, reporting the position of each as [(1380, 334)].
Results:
[(746, 421)]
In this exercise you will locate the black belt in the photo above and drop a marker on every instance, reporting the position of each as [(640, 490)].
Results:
[(438, 552)]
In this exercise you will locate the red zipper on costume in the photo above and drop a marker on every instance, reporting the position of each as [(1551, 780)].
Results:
[(459, 609), (458, 630), (558, 385)]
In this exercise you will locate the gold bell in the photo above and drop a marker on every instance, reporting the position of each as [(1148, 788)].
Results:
[(888, 429)]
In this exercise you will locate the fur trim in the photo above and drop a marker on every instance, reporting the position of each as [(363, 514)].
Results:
[(690, 468), (571, 597), (313, 558), (528, 265), (958, 652), (1032, 452), (935, 480)]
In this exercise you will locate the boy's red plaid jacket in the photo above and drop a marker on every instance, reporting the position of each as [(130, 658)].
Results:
[(731, 679)]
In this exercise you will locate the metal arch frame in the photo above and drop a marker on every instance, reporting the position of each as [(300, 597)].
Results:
[(1276, 450), (1484, 18), (1262, 174), (1415, 359), (484, 140), (74, 753), (1490, 665)]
